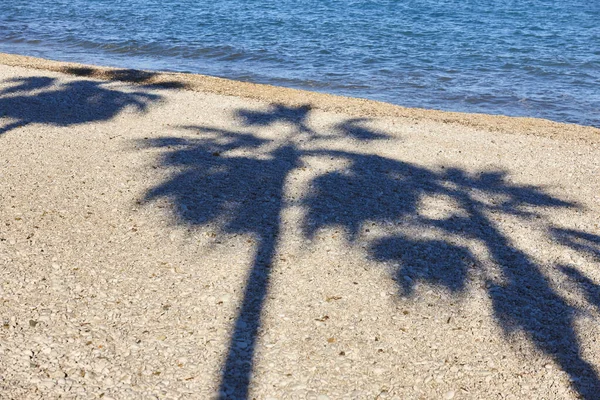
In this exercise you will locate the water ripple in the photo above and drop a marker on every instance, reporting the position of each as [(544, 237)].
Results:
[(533, 58)]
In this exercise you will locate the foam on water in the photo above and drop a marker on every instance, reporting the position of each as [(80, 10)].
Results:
[(536, 58)]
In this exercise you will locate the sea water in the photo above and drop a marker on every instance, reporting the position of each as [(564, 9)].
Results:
[(538, 58)]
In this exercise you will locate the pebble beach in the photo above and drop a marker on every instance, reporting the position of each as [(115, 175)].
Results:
[(178, 236)]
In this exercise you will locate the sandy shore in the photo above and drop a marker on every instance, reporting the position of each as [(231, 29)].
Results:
[(294, 98), (178, 236)]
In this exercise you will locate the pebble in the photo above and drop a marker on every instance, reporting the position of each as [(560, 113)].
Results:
[(298, 386), (57, 374), (27, 353), (449, 395), (47, 383), (226, 298)]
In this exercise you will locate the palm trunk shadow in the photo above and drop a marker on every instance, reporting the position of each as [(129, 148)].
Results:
[(524, 301), (244, 195), (238, 367), (527, 302), (237, 371)]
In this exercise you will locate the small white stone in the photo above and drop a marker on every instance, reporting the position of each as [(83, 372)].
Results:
[(27, 353), (226, 298), (298, 386), (47, 383), (57, 374), (449, 395)]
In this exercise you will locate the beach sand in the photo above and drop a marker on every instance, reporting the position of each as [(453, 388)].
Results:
[(178, 236)]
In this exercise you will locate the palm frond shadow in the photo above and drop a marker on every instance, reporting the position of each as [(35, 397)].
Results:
[(246, 195), (146, 79), (583, 242), (45, 100)]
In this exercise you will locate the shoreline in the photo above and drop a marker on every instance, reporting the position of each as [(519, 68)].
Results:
[(295, 97)]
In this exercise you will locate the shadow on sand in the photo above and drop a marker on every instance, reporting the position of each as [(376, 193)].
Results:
[(45, 100), (144, 78), (246, 194)]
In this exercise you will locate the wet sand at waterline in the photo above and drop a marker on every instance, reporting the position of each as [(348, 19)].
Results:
[(182, 236)]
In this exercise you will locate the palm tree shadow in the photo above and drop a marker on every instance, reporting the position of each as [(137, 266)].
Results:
[(146, 79), (245, 194), (435, 261), (373, 188), (583, 242), (27, 84), (44, 100), (356, 128), (279, 113), (590, 289)]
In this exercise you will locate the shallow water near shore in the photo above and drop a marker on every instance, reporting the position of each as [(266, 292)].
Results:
[(534, 58)]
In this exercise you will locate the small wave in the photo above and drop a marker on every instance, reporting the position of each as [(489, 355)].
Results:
[(484, 56)]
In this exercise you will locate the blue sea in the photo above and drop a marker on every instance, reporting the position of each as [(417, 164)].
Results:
[(538, 58)]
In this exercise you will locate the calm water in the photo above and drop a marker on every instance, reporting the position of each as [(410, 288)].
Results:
[(515, 57)]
